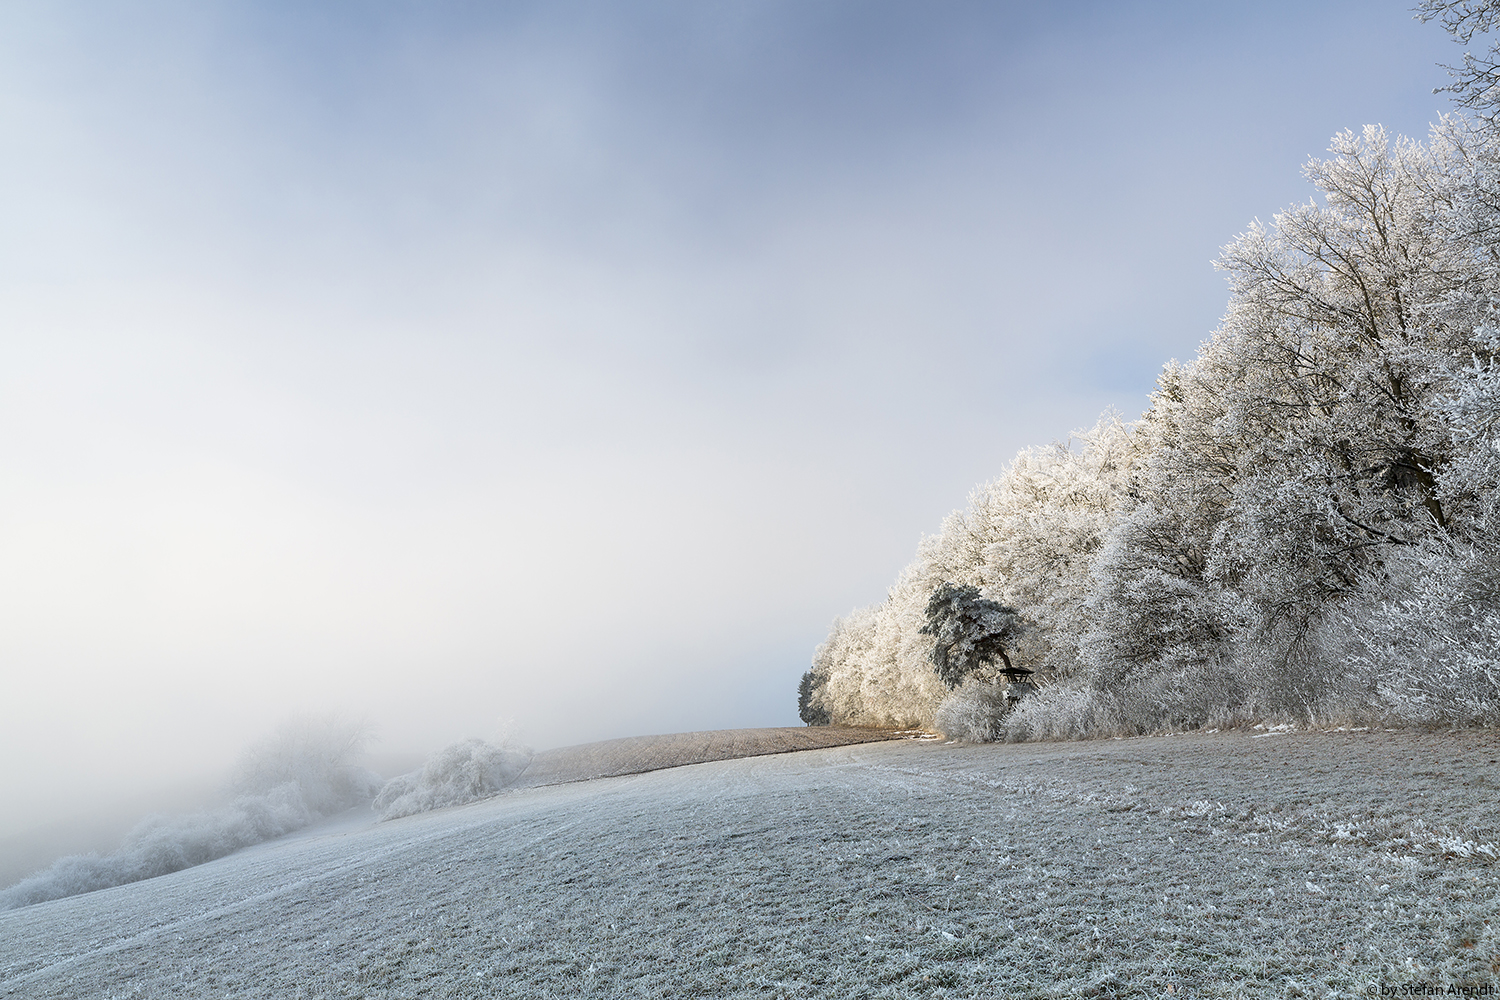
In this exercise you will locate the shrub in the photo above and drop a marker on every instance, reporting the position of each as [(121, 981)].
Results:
[(1429, 648), (973, 712), (461, 772)]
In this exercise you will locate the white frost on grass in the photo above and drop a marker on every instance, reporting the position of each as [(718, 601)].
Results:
[(461, 772), (1174, 866), (301, 773)]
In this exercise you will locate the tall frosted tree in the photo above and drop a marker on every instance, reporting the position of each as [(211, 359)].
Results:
[(1476, 81), (1308, 438)]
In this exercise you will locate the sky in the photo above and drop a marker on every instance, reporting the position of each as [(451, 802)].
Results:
[(575, 364)]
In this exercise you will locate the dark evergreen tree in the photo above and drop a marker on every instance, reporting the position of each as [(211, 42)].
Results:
[(971, 631), (809, 713)]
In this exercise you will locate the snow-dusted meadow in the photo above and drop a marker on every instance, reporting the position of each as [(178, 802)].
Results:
[(1211, 864)]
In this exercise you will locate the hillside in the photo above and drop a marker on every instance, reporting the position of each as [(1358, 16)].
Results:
[(1212, 864)]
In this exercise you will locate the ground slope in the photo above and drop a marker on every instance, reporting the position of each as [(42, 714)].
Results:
[(1203, 865), (635, 754)]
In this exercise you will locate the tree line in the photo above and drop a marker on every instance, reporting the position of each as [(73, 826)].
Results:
[(1303, 523)]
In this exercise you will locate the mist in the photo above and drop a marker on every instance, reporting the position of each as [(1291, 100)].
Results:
[(568, 363), (307, 770)]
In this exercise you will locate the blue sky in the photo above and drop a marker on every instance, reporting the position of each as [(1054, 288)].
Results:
[(576, 363)]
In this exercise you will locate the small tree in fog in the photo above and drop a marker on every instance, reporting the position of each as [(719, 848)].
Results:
[(320, 754), (970, 631)]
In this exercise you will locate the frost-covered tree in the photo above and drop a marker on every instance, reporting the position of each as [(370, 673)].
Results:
[(1045, 523), (969, 632), (1476, 83), (1027, 539), (872, 670), (1308, 438), (1472, 480), (809, 713), (320, 754)]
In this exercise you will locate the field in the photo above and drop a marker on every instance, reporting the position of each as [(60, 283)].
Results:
[(1201, 865)]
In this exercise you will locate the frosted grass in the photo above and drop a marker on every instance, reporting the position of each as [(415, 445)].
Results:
[(1203, 865)]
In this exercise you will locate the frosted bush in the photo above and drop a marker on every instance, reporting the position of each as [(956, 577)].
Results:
[(461, 772), (1431, 648), (1172, 699), (973, 712), (1059, 713), (1211, 694), (301, 773)]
